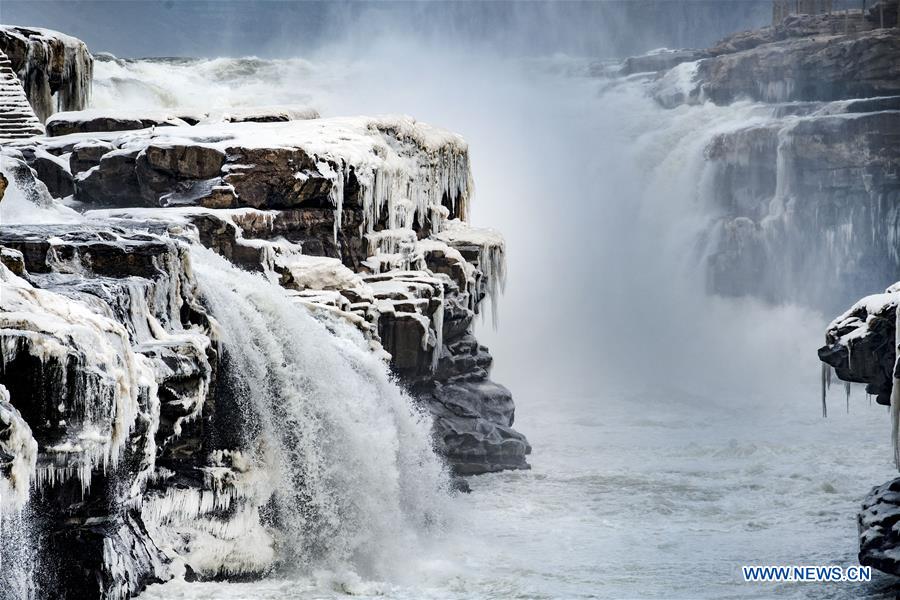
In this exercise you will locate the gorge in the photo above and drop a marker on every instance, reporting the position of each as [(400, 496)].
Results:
[(242, 331)]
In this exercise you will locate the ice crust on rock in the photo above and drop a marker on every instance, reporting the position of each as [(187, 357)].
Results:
[(401, 170), (165, 450), (56, 68)]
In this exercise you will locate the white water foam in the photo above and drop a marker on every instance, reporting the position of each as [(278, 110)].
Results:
[(357, 484)]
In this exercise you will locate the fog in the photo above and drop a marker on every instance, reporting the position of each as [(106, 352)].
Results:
[(630, 380)]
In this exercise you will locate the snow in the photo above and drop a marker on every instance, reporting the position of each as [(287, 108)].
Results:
[(318, 272), (405, 168)]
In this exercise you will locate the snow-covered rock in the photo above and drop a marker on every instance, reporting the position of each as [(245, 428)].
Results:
[(55, 69), (863, 346)]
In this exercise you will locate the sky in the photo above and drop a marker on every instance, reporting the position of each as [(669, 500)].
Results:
[(273, 29)]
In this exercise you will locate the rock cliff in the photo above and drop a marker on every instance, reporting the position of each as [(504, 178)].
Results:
[(805, 189), (122, 440), (809, 192), (125, 453), (862, 346)]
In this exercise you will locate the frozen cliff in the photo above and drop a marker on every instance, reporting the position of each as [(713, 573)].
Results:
[(55, 69), (803, 188), (798, 190), (235, 342), (862, 346)]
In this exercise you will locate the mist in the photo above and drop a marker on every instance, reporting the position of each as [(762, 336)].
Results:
[(613, 348)]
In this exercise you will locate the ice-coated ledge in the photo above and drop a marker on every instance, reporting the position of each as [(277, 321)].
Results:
[(394, 171), (55, 69), (100, 120)]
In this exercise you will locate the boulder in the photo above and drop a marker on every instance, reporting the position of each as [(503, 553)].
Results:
[(860, 345)]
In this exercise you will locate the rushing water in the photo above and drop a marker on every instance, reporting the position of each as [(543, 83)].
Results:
[(348, 455), (676, 436)]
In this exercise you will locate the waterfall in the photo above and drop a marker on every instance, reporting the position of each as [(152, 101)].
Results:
[(349, 456)]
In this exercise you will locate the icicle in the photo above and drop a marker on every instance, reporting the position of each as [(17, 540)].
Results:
[(826, 383), (847, 390)]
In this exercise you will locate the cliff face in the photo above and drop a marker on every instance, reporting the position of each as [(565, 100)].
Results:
[(119, 406), (55, 69), (808, 196)]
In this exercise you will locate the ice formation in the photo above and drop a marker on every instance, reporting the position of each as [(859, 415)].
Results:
[(224, 423), (491, 250), (101, 405), (406, 171), (56, 69)]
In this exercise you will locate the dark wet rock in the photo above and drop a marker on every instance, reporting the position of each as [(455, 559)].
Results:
[(86, 155), (93, 121), (879, 537), (13, 260), (51, 170)]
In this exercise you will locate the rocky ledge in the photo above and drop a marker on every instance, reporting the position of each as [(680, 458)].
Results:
[(124, 456), (362, 220), (863, 346)]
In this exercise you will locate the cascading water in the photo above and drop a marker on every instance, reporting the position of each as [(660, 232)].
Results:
[(674, 428), (356, 482)]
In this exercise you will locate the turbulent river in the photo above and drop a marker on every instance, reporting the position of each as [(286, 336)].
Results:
[(676, 436)]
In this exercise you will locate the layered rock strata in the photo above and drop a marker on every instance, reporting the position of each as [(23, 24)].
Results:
[(122, 439), (808, 196)]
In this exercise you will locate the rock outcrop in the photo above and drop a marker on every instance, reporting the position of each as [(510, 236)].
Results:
[(116, 408), (860, 345), (863, 346), (55, 69)]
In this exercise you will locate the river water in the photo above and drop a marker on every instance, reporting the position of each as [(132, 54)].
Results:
[(676, 436)]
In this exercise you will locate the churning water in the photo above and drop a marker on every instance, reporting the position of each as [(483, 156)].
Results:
[(676, 436)]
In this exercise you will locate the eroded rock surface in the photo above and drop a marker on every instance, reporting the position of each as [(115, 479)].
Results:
[(117, 402)]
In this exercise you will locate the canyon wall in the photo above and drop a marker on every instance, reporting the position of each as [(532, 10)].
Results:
[(805, 188), (131, 447)]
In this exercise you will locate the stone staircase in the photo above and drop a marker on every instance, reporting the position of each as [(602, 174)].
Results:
[(17, 119)]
